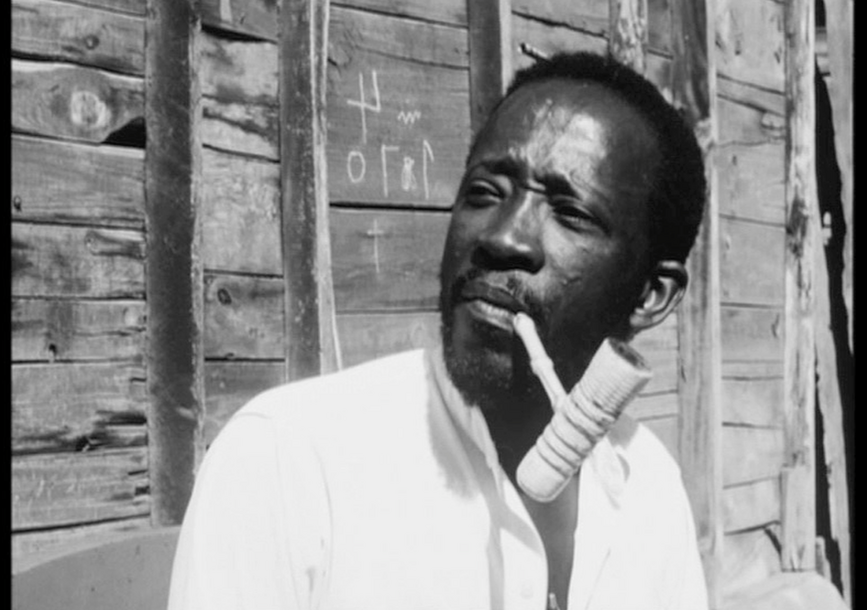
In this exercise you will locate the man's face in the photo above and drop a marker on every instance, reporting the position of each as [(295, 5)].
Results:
[(551, 218)]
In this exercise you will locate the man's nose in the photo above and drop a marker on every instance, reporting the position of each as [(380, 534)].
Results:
[(512, 239)]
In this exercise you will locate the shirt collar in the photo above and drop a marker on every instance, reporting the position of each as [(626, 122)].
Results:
[(608, 459)]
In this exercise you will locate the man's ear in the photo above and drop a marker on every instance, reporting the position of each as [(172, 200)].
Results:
[(662, 292)]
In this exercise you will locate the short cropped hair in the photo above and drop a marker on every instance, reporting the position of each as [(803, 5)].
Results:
[(678, 194)]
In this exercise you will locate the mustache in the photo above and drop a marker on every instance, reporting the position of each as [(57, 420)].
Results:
[(505, 289)]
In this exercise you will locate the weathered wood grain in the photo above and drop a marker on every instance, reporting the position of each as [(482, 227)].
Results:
[(659, 347), (363, 337), (76, 261), (752, 96), (386, 260), (70, 102), (77, 184), (751, 454), (654, 406), (748, 125), (802, 233), (241, 128), (77, 407), (751, 41), (63, 489), (80, 34), (750, 334), (748, 558), (753, 402), (240, 214), (752, 263), (243, 317), (752, 505), (173, 167), (752, 182), (445, 11), (63, 330), (133, 7), (229, 385), (239, 72), (398, 110), (490, 48), (627, 32)]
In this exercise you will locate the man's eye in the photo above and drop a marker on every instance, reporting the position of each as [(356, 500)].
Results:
[(482, 194), (572, 214)]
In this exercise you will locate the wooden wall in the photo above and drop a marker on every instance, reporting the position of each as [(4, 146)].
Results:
[(404, 88)]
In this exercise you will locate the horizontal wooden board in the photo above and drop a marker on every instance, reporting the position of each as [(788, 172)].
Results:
[(63, 330), (751, 454), (551, 38), (75, 488), (667, 430), (748, 558), (77, 407), (243, 317), (752, 505), (72, 102), (364, 337), (748, 125), (752, 263), (77, 184), (765, 100), (592, 16), (240, 214), (398, 110), (654, 406), (241, 128), (53, 260), (444, 11), (750, 41), (241, 72), (752, 181), (386, 260), (753, 402), (29, 548), (229, 385), (79, 34), (133, 7), (750, 334)]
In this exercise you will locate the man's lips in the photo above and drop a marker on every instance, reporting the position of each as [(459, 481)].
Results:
[(491, 304)]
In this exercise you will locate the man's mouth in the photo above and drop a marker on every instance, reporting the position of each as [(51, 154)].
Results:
[(490, 304)]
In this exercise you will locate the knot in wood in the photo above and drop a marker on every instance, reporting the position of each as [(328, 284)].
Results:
[(91, 41), (86, 109), (16, 203), (224, 297)]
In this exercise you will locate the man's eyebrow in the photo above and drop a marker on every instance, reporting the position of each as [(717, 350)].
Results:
[(511, 166)]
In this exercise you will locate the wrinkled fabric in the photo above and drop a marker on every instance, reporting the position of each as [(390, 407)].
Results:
[(378, 488)]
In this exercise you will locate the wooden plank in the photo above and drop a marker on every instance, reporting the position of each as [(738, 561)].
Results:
[(749, 557), (753, 402), (175, 356), (752, 96), (667, 430), (802, 232), (63, 330), (654, 406), (309, 297), (243, 317), (751, 41), (75, 103), (748, 125), (229, 385), (453, 12), (77, 407), (627, 32), (240, 214), (490, 48), (241, 128), (133, 7), (659, 348), (239, 72), (77, 184), (386, 260), (77, 262), (752, 182), (751, 506), (588, 16), (752, 263), (64, 489), (751, 454), (694, 91), (79, 34), (398, 110), (364, 337), (750, 334)]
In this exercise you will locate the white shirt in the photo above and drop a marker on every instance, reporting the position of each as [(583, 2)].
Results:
[(379, 488)]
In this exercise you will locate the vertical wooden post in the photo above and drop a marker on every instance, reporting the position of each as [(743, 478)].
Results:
[(175, 359), (309, 300), (802, 218), (699, 348), (490, 44), (628, 32)]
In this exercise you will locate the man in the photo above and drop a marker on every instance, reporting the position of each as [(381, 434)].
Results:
[(392, 484)]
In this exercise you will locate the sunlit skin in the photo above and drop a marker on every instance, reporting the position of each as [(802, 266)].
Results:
[(552, 219)]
